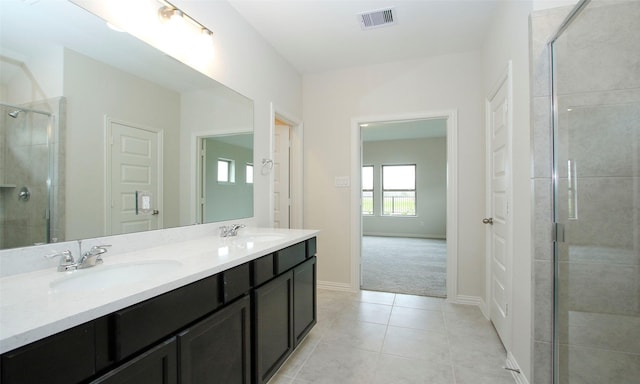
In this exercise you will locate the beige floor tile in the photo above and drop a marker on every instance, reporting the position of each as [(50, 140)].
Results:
[(418, 344), (331, 364), (369, 312), (472, 376), (357, 334), (417, 318), (375, 297), (400, 370), (419, 302)]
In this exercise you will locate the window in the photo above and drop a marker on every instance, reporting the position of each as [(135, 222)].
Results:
[(249, 173), (399, 190), (225, 171), (367, 190)]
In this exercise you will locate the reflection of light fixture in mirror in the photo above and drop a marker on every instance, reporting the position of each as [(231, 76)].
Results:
[(174, 16)]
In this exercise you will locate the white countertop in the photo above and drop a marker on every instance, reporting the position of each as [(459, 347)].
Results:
[(38, 304)]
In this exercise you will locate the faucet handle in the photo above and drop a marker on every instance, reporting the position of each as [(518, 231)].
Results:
[(97, 250), (66, 260)]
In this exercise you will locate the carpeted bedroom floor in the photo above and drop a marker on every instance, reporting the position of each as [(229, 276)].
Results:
[(404, 265)]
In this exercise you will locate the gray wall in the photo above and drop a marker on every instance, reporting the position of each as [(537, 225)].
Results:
[(430, 157)]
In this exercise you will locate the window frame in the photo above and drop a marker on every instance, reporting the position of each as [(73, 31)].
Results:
[(385, 190), (363, 190)]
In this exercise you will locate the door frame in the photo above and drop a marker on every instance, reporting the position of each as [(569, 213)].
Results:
[(296, 166), (505, 77), (108, 145), (451, 116)]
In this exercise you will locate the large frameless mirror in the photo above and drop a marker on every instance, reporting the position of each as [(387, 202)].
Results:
[(97, 128)]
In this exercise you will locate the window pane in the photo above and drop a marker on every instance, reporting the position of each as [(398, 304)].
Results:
[(399, 203), (249, 172), (367, 177), (367, 203), (399, 177), (223, 171)]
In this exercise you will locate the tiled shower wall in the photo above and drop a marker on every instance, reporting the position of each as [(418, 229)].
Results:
[(28, 149), (599, 293)]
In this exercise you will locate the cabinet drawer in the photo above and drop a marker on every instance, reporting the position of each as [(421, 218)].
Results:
[(262, 270), (66, 357), (156, 366), (311, 247), (289, 257), (236, 282), (146, 323)]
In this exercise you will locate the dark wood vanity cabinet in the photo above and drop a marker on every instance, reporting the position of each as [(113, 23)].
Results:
[(237, 326), (284, 312), (217, 350)]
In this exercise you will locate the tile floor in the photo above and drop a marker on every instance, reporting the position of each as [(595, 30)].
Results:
[(385, 338)]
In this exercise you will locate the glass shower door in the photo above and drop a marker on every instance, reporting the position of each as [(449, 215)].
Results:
[(596, 71)]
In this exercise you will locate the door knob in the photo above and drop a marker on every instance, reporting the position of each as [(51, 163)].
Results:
[(488, 221), (155, 212)]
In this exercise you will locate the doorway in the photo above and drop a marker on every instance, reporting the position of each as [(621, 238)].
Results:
[(404, 184), (285, 169), (134, 172), (451, 204)]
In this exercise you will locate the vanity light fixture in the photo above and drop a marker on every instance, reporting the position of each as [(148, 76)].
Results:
[(170, 13)]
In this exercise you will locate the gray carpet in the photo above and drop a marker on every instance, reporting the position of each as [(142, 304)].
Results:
[(404, 265)]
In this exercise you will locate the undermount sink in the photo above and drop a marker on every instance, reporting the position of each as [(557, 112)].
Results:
[(108, 276)]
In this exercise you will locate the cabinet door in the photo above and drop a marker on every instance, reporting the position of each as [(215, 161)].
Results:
[(156, 366), (218, 348), (304, 298), (273, 325)]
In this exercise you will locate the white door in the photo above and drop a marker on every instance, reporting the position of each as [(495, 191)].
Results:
[(281, 188), (498, 220), (135, 169)]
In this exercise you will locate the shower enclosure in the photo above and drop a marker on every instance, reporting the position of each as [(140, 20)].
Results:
[(596, 124), (26, 164)]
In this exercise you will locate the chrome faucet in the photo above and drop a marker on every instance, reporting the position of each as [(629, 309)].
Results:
[(93, 256), (231, 230), (89, 259), (67, 263)]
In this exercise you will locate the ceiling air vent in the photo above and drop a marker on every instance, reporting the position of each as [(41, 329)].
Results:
[(376, 19)]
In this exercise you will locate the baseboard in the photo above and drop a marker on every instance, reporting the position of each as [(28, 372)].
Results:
[(516, 372), (471, 300), (411, 235), (330, 285)]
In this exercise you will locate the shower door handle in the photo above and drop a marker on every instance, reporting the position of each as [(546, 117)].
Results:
[(488, 221)]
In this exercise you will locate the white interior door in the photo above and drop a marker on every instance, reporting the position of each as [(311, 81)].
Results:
[(498, 218), (281, 185), (135, 166)]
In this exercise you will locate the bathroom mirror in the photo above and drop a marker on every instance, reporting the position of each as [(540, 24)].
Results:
[(124, 116)]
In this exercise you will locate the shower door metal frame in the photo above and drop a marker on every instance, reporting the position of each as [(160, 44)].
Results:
[(558, 228)]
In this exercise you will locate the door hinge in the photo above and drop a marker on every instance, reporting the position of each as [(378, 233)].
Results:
[(506, 310)]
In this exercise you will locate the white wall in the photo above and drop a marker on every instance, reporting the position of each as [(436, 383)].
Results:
[(332, 99), (509, 40), (430, 158)]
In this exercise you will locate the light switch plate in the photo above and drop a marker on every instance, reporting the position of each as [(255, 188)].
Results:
[(342, 181)]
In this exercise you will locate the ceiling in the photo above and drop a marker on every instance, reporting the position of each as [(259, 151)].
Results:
[(324, 35)]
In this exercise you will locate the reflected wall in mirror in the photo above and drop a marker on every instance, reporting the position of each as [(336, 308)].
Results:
[(225, 177), (119, 108)]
